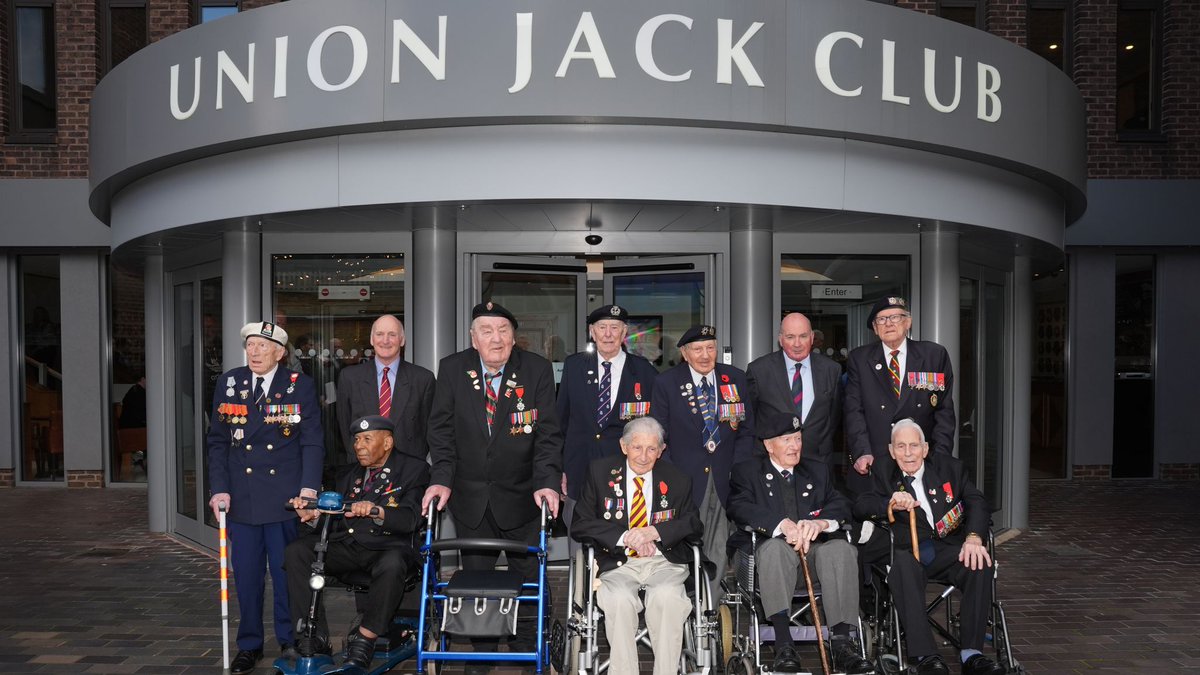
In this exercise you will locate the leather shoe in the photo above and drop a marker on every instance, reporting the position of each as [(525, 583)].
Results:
[(932, 665), (847, 658), (244, 662), (787, 660), (979, 664), (359, 651), (288, 651), (311, 646)]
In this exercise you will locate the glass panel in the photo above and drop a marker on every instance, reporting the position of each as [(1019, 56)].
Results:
[(35, 58), (185, 399), (128, 322), (836, 292), (1047, 34), (1048, 443), (661, 308), (1133, 392), (210, 343), (545, 306), (966, 387), (967, 16), (327, 303), (212, 13), (126, 33), (995, 387), (1135, 69), (42, 421)]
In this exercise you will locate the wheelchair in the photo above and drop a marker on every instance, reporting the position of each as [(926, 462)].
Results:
[(473, 603), (740, 647), (888, 652), (575, 643)]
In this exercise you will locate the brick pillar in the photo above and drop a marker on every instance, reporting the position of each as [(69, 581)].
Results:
[(923, 6), (1006, 19), (167, 17)]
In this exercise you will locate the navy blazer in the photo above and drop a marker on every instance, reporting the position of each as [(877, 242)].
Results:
[(676, 408), (772, 391), (398, 491), (946, 487), (412, 398), (871, 408), (505, 468), (756, 498), (265, 468), (578, 398)]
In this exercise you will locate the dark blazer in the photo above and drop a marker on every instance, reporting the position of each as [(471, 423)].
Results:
[(675, 407), (771, 390), (412, 398), (398, 491), (578, 397), (682, 527), (265, 468), (871, 409), (503, 469), (756, 498), (941, 471)]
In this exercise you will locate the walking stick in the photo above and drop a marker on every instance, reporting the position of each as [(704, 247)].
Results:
[(224, 549), (812, 601), (912, 530)]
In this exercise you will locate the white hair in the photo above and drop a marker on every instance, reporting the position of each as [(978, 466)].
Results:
[(643, 425), (908, 423)]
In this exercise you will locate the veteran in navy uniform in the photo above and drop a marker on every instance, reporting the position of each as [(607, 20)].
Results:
[(384, 489), (952, 520), (894, 379), (494, 443), (705, 409), (600, 391), (639, 514), (265, 447)]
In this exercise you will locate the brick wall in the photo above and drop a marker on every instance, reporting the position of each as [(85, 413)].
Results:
[(7, 478), (85, 479), (1179, 471), (1092, 472), (1006, 19)]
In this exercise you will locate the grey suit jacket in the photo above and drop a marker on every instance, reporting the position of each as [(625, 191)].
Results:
[(771, 390), (412, 398)]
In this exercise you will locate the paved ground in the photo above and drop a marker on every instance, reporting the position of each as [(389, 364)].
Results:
[(1106, 579)]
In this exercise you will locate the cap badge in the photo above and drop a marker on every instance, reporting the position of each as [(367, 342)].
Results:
[(363, 425), (615, 311), (489, 306), (795, 422)]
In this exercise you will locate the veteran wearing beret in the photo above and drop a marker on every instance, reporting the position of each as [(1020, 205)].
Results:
[(895, 379), (704, 407), (792, 506), (384, 489), (265, 447)]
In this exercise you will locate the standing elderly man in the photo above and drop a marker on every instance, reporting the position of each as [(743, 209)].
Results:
[(640, 515), (796, 380), (598, 394), (704, 408), (952, 519), (264, 448), (793, 507), (896, 379), (494, 444), (387, 385)]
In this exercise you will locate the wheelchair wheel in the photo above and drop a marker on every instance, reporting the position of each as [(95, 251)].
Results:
[(723, 645), (740, 665)]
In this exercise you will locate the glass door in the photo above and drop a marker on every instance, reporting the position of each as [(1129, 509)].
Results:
[(664, 297), (983, 382), (195, 364)]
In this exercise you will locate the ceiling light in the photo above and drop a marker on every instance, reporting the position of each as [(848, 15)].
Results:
[(1053, 47), (1128, 48)]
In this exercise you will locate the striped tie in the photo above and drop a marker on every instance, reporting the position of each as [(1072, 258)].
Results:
[(798, 391), (637, 512), (259, 394), (385, 394), (712, 434), (490, 403), (605, 402), (894, 369)]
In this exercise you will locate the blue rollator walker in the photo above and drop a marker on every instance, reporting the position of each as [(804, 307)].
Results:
[(480, 603), (398, 645)]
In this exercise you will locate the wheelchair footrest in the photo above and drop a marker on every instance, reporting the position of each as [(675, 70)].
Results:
[(799, 633)]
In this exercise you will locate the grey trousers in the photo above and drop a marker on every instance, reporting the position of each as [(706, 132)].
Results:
[(834, 563)]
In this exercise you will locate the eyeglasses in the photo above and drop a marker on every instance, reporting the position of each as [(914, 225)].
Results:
[(894, 318)]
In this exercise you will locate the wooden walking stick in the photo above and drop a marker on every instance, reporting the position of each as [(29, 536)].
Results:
[(812, 602), (912, 530)]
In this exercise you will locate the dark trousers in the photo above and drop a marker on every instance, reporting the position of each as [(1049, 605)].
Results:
[(907, 581), (388, 569), (253, 550), (486, 560)]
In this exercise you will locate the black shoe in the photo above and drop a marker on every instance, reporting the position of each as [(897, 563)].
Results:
[(787, 660), (932, 665), (359, 651), (288, 651), (982, 665), (244, 662), (311, 646), (847, 658)]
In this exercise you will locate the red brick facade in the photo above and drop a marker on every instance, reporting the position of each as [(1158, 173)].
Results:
[(85, 479), (1092, 471)]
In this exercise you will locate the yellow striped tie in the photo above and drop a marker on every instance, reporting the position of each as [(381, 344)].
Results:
[(637, 512)]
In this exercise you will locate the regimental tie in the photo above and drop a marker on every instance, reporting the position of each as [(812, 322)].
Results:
[(259, 394), (385, 393), (637, 512), (490, 402), (798, 391), (605, 402), (708, 406), (894, 369)]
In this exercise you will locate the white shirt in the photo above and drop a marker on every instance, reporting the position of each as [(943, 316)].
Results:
[(923, 498), (805, 379), (618, 364), (711, 377), (830, 525), (901, 358), (647, 494)]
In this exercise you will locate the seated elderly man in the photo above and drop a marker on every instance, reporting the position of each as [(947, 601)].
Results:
[(639, 515), (794, 507), (952, 517), (384, 492)]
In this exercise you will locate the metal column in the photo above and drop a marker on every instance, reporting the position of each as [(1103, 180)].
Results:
[(938, 314), (1022, 375), (434, 251), (157, 447), (751, 259), (241, 291)]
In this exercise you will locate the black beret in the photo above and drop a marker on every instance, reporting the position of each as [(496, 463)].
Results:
[(886, 303), (775, 424), (608, 312), (373, 423), (696, 334), (493, 309)]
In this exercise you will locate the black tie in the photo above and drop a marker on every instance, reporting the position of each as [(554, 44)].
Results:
[(259, 394), (789, 496)]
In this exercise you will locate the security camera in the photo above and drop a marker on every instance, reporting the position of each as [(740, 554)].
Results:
[(593, 239)]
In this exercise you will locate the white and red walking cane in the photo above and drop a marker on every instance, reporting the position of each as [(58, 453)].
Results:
[(224, 550)]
